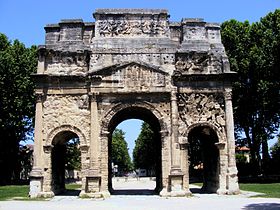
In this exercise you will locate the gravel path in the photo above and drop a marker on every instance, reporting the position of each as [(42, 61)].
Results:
[(150, 202)]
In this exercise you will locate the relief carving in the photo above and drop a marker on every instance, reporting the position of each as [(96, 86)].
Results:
[(134, 76), (66, 109), (67, 63), (123, 27), (201, 108), (194, 62), (137, 76)]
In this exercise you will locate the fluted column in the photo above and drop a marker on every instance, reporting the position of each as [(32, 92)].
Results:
[(233, 187), (175, 149), (94, 133), (36, 175), (38, 132)]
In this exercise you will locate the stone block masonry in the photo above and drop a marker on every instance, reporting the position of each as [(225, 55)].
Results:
[(134, 63)]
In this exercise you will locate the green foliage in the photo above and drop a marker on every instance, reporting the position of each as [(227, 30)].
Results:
[(73, 155), (240, 159), (119, 152), (254, 53), (16, 103), (145, 152), (275, 154)]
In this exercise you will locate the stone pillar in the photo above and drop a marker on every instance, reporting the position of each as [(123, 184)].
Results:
[(94, 134), (104, 187), (233, 187), (223, 168), (47, 182), (175, 151), (36, 175), (41, 60), (93, 179), (176, 175), (185, 167)]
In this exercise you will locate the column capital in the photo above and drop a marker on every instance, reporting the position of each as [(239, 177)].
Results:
[(48, 148), (39, 96), (92, 96), (228, 95)]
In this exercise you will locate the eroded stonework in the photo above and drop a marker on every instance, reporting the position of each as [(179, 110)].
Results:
[(61, 110), (132, 63)]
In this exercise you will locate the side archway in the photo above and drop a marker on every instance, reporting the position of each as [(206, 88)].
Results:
[(204, 144), (59, 141)]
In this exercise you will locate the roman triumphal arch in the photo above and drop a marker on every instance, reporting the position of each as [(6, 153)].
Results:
[(134, 63)]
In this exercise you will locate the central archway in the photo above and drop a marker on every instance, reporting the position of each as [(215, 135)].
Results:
[(147, 115)]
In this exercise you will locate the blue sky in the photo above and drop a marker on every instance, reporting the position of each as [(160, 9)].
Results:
[(25, 20)]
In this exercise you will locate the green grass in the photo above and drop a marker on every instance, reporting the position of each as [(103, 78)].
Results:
[(20, 192), (12, 191), (269, 190), (73, 186)]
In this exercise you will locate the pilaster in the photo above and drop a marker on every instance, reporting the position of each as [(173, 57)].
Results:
[(233, 187), (36, 175)]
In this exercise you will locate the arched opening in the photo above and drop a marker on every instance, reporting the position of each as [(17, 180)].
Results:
[(204, 160), (66, 163), (148, 117)]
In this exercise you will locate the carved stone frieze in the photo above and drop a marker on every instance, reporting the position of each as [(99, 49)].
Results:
[(123, 27), (200, 108), (198, 63), (66, 63), (98, 61), (66, 110), (133, 76)]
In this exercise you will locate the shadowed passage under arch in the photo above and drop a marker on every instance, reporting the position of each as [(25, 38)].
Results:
[(148, 117), (204, 158)]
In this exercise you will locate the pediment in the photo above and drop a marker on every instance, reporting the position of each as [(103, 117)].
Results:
[(132, 74)]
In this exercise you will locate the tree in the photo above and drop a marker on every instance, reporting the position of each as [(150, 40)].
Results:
[(253, 52), (73, 155), (146, 152), (119, 152), (275, 155), (16, 103)]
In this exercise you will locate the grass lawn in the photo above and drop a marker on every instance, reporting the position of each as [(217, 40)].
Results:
[(11, 191), (270, 190), (20, 192), (73, 186)]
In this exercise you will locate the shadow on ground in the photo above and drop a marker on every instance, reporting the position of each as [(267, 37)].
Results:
[(134, 192), (262, 206), (70, 193)]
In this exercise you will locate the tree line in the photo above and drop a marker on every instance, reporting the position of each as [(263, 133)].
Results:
[(253, 51)]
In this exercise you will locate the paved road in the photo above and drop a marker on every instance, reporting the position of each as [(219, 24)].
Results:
[(147, 202)]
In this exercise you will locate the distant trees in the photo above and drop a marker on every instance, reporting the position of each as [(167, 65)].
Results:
[(73, 155), (119, 152), (16, 103), (254, 53), (145, 152), (275, 153)]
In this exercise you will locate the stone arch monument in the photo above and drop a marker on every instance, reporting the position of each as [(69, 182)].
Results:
[(133, 63)]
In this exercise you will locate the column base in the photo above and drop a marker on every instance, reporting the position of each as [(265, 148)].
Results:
[(36, 182), (104, 195), (233, 187), (178, 193)]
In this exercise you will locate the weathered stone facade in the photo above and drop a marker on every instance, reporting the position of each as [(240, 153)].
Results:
[(132, 64)]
